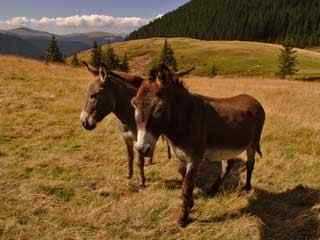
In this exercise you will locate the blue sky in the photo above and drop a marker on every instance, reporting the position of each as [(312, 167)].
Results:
[(83, 15)]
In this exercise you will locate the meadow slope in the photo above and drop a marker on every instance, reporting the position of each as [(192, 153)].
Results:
[(58, 181), (237, 58)]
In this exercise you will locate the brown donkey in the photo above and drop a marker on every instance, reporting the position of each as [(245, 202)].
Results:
[(198, 127), (112, 92)]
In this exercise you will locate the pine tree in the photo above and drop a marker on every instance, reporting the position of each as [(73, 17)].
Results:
[(53, 51), (96, 55), (124, 65), (167, 56), (111, 59), (287, 61), (75, 60)]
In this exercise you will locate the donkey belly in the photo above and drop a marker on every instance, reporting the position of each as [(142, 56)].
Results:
[(220, 154)]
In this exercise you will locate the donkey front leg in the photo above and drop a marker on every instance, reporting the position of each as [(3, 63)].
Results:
[(130, 151), (187, 192), (141, 167)]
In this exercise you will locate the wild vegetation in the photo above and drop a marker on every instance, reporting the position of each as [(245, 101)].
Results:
[(252, 20), (287, 61), (232, 58), (166, 56), (53, 53), (108, 57), (58, 181)]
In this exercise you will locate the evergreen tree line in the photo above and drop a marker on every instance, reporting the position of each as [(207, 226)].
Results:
[(247, 20), (109, 58)]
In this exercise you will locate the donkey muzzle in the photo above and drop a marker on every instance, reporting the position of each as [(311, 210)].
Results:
[(144, 150), (87, 121)]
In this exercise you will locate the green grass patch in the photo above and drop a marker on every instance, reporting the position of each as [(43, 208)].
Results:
[(62, 193)]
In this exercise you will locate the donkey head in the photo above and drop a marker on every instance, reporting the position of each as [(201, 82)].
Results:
[(152, 107), (100, 99)]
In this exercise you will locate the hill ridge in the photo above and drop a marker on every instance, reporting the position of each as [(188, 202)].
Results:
[(250, 20)]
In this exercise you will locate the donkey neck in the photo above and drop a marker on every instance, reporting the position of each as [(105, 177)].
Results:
[(186, 128), (123, 94)]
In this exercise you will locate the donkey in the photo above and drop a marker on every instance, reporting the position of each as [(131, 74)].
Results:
[(198, 127), (112, 92)]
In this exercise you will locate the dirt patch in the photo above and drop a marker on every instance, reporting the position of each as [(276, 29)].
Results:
[(139, 64)]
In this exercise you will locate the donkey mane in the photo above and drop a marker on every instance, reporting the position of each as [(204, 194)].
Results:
[(117, 79), (131, 81)]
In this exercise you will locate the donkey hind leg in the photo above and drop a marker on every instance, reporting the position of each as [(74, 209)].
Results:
[(141, 167), (168, 149), (150, 162), (251, 152), (226, 167), (130, 151), (182, 169), (187, 193)]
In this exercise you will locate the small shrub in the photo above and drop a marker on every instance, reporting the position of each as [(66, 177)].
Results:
[(75, 60), (213, 70), (287, 61)]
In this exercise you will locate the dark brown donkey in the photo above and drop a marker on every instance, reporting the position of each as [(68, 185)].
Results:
[(198, 127), (112, 92)]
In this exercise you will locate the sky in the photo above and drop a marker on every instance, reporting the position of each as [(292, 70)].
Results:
[(66, 16)]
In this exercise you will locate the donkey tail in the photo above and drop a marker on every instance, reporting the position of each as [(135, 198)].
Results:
[(259, 132)]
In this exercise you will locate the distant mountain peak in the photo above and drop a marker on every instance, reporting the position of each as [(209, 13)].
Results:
[(24, 32), (36, 42)]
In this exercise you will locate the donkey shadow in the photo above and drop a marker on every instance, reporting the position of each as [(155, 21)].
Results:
[(293, 214), (290, 215), (209, 173)]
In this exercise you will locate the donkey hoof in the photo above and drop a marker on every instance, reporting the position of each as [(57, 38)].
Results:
[(150, 163), (191, 204), (246, 191), (183, 222)]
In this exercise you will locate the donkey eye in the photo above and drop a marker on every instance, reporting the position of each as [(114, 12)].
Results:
[(157, 112), (94, 95)]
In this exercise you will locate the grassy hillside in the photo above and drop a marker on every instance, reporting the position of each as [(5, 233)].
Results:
[(230, 57), (58, 181)]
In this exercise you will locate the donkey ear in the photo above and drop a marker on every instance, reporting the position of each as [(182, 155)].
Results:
[(165, 75), (103, 74), (185, 72), (90, 68)]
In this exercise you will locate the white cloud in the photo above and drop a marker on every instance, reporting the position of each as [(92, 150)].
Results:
[(77, 22)]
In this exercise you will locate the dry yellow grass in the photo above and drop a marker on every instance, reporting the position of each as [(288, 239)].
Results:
[(58, 181)]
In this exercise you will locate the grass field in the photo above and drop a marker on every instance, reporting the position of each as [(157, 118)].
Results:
[(58, 181), (229, 57)]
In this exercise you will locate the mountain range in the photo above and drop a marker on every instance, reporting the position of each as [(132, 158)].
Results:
[(33, 43)]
